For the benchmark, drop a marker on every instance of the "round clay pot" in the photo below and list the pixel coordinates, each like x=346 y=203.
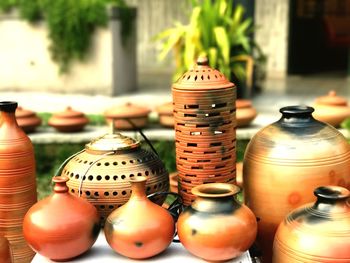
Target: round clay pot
x=316 y=232
x=166 y=116
x=5 y=252
x=216 y=227
x=239 y=174
x=285 y=161
x=139 y=229
x=128 y=116
x=68 y=120
x=61 y=226
x=245 y=113
x=331 y=109
x=27 y=120
x=173 y=177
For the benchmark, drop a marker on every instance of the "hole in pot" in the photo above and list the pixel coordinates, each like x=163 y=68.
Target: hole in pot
x=90 y=178
x=106 y=163
x=87 y=193
x=115 y=177
x=115 y=193
x=107 y=177
x=76 y=176
x=123 y=176
x=99 y=177
x=115 y=163
x=106 y=194
x=124 y=193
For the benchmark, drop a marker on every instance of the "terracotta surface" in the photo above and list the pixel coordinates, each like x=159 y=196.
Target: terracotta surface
x=68 y=120
x=285 y=161
x=61 y=226
x=173 y=178
x=166 y=115
x=104 y=168
x=5 y=252
x=316 y=232
x=216 y=227
x=139 y=229
x=27 y=119
x=17 y=181
x=205 y=128
x=245 y=112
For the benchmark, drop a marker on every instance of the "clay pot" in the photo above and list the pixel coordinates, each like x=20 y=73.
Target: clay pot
x=316 y=232
x=139 y=229
x=216 y=227
x=245 y=113
x=285 y=161
x=331 y=109
x=61 y=226
x=173 y=178
x=166 y=115
x=68 y=120
x=27 y=120
x=17 y=181
x=5 y=252
x=128 y=116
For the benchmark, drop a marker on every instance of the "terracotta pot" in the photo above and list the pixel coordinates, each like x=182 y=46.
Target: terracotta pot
x=68 y=120
x=245 y=113
x=17 y=181
x=285 y=161
x=5 y=252
x=128 y=116
x=166 y=115
x=173 y=178
x=139 y=229
x=216 y=227
x=61 y=226
x=331 y=109
x=316 y=232
x=27 y=120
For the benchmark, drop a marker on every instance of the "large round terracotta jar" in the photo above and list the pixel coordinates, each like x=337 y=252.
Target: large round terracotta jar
x=27 y=119
x=68 y=120
x=285 y=161
x=316 y=232
x=216 y=227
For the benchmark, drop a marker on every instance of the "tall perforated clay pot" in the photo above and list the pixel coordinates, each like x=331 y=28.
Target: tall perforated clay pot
x=17 y=181
x=285 y=161
x=205 y=128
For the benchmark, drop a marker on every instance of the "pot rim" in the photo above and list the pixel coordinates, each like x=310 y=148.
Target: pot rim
x=213 y=190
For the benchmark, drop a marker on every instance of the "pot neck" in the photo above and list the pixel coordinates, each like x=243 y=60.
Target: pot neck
x=60 y=184
x=138 y=187
x=7 y=111
x=296 y=115
x=333 y=199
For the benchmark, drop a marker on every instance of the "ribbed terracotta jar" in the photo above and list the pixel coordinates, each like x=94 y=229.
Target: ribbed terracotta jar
x=316 y=232
x=139 y=229
x=17 y=181
x=27 y=119
x=205 y=128
x=103 y=169
x=285 y=161
x=5 y=252
x=216 y=227
x=61 y=226
x=68 y=120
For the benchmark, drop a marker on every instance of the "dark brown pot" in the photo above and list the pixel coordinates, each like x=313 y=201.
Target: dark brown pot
x=61 y=226
x=316 y=232
x=17 y=181
x=285 y=161
x=27 y=120
x=139 y=229
x=68 y=120
x=245 y=113
x=5 y=252
x=216 y=227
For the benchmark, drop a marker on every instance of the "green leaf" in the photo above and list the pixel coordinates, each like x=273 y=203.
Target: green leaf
x=223 y=42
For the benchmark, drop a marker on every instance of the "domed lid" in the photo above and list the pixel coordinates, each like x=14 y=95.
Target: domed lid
x=24 y=113
x=332 y=100
x=166 y=108
x=112 y=142
x=241 y=103
x=202 y=77
x=68 y=113
x=127 y=110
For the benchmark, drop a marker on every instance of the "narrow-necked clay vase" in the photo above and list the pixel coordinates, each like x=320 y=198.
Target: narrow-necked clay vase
x=216 y=227
x=245 y=112
x=61 y=226
x=5 y=252
x=27 y=119
x=68 y=120
x=166 y=115
x=316 y=232
x=285 y=161
x=139 y=229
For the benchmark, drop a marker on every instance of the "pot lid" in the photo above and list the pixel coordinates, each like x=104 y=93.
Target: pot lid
x=332 y=99
x=202 y=77
x=166 y=108
x=68 y=113
x=112 y=142
x=24 y=113
x=240 y=103
x=127 y=110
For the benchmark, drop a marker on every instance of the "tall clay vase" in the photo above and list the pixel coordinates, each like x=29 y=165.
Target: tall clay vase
x=139 y=229
x=5 y=252
x=316 y=232
x=285 y=161
x=61 y=226
x=216 y=227
x=17 y=181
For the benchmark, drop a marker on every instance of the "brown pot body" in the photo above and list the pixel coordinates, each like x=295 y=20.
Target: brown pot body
x=68 y=121
x=333 y=115
x=17 y=181
x=216 y=227
x=316 y=232
x=245 y=113
x=285 y=161
x=5 y=252
x=122 y=124
x=139 y=229
x=61 y=226
x=27 y=120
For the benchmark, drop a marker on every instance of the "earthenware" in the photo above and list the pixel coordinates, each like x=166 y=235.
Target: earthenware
x=139 y=229
x=61 y=226
x=285 y=161
x=316 y=232
x=68 y=120
x=17 y=181
x=27 y=119
x=5 y=252
x=216 y=227
x=166 y=115
x=245 y=112
x=173 y=178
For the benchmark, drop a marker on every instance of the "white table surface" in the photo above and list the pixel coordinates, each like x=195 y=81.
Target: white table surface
x=101 y=252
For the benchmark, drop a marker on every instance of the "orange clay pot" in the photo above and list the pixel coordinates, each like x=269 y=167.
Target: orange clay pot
x=27 y=119
x=5 y=253
x=216 y=227
x=166 y=115
x=285 y=161
x=61 y=226
x=68 y=120
x=245 y=113
x=316 y=232
x=139 y=229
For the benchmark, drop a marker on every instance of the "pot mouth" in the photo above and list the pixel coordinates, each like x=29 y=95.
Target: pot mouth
x=332 y=192
x=216 y=190
x=138 y=179
x=297 y=110
x=8 y=106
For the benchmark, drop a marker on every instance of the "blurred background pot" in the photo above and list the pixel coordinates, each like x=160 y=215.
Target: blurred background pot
x=316 y=232
x=5 y=252
x=166 y=115
x=245 y=112
x=216 y=226
x=68 y=120
x=27 y=119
